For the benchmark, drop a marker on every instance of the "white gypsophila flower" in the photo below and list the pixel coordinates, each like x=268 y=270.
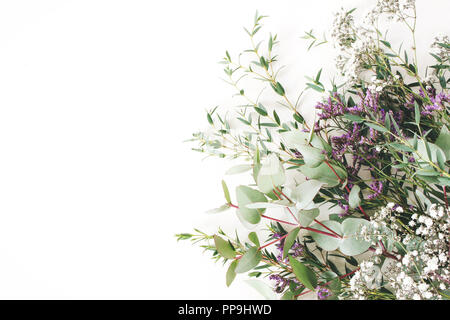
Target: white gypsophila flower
x=426 y=258
x=442 y=51
x=353 y=43
x=399 y=9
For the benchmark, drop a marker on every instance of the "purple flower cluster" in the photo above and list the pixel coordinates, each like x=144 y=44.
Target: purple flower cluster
x=323 y=293
x=437 y=101
x=295 y=251
x=281 y=282
x=344 y=207
x=332 y=108
x=377 y=188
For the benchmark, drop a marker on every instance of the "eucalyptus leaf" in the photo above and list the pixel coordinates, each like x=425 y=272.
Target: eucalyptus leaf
x=264 y=289
x=295 y=138
x=267 y=205
x=313 y=157
x=376 y=127
x=353 y=198
x=240 y=168
x=246 y=195
x=443 y=141
x=324 y=174
x=226 y=192
x=327 y=242
x=352 y=244
x=253 y=237
x=304 y=193
x=271 y=174
x=427 y=151
x=224 y=248
x=220 y=209
x=306 y=217
x=249 y=260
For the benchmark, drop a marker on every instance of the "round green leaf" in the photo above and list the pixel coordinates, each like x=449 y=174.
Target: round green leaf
x=313 y=157
x=249 y=260
x=324 y=174
x=353 y=198
x=443 y=141
x=224 y=248
x=240 y=168
x=306 y=217
x=271 y=174
x=295 y=138
x=273 y=204
x=253 y=237
x=326 y=242
x=220 y=209
x=246 y=195
x=305 y=192
x=226 y=193
x=264 y=289
x=351 y=244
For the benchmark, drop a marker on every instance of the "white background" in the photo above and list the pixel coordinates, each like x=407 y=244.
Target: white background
x=96 y=98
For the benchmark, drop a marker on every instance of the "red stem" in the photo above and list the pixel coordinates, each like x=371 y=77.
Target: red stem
x=279 y=198
x=278 y=220
x=281 y=192
x=274 y=241
x=322 y=232
x=320 y=223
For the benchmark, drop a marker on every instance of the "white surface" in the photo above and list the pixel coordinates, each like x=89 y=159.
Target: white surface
x=96 y=98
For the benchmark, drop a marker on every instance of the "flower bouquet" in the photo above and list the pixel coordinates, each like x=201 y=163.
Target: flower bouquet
x=361 y=189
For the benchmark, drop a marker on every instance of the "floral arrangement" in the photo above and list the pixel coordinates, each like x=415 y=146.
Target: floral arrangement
x=362 y=189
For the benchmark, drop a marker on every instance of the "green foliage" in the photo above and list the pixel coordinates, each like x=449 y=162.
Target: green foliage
x=225 y=248
x=289 y=241
x=303 y=274
x=382 y=127
x=249 y=260
x=246 y=195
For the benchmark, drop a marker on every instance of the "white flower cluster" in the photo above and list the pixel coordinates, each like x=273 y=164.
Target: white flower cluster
x=377 y=85
x=434 y=228
x=343 y=31
x=357 y=41
x=441 y=51
x=354 y=43
x=368 y=277
x=399 y=9
x=383 y=225
x=424 y=268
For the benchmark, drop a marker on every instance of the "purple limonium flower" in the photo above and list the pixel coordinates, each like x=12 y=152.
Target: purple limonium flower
x=323 y=293
x=295 y=251
x=437 y=101
x=281 y=282
x=344 y=207
x=331 y=108
x=377 y=188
